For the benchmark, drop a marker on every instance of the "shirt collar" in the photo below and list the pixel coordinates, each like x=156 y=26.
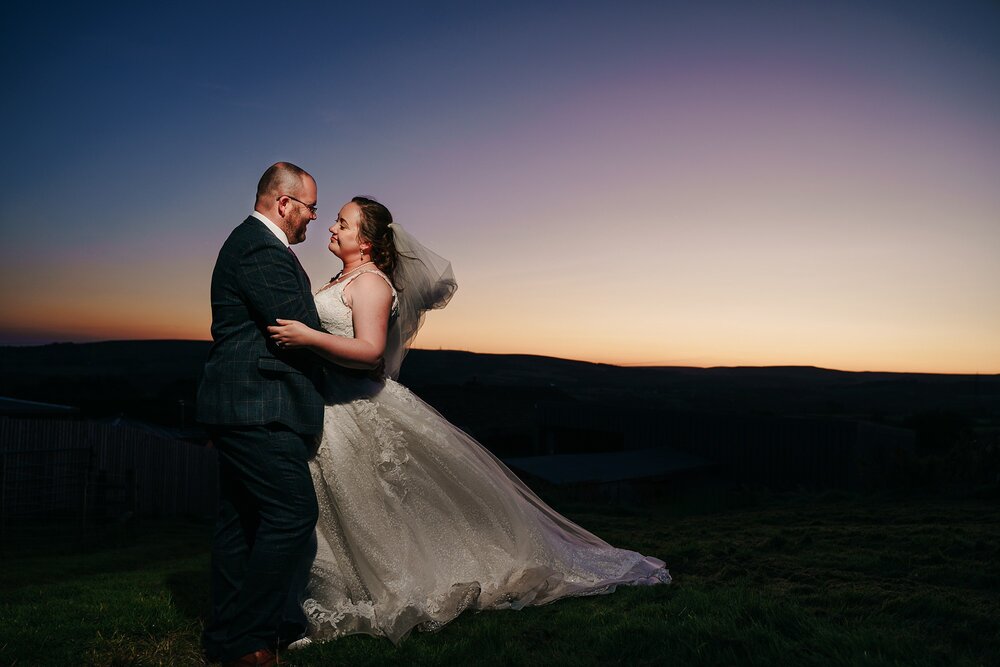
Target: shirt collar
x=270 y=225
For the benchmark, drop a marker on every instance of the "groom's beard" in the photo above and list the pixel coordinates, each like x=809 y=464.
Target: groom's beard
x=298 y=234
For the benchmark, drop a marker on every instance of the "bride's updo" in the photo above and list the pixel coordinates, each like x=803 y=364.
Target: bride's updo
x=374 y=228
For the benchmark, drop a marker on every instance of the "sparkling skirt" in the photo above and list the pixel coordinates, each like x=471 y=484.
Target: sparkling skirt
x=418 y=522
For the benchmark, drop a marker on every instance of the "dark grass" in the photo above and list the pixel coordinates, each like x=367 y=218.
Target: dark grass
x=793 y=581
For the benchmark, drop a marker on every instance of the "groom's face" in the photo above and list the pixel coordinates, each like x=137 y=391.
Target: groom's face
x=297 y=215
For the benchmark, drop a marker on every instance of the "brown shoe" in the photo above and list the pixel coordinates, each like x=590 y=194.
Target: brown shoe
x=260 y=658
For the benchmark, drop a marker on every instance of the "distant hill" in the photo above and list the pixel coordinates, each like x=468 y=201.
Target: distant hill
x=156 y=379
x=774 y=390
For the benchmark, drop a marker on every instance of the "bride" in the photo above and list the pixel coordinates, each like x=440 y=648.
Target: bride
x=418 y=522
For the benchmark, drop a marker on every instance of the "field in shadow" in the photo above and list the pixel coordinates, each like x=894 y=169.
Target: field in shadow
x=790 y=580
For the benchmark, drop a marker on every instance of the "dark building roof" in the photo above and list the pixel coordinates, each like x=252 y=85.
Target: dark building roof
x=15 y=407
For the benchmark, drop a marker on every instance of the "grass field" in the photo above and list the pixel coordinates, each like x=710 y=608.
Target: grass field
x=791 y=581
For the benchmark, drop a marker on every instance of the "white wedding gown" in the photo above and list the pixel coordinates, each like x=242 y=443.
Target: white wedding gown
x=418 y=522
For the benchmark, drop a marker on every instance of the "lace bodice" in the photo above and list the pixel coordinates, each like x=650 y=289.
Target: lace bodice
x=334 y=313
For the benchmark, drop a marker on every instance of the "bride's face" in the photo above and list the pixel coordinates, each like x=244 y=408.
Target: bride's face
x=344 y=240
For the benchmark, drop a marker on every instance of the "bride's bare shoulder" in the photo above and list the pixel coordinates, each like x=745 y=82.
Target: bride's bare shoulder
x=370 y=284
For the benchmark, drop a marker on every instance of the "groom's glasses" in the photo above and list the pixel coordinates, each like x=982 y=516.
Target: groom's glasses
x=312 y=207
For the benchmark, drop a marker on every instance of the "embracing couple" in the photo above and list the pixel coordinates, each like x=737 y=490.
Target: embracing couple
x=348 y=505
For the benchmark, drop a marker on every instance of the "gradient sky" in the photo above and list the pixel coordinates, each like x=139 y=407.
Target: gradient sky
x=711 y=183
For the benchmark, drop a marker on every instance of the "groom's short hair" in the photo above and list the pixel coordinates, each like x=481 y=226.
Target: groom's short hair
x=280 y=178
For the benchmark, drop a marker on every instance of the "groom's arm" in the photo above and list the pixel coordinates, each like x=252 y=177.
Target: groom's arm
x=269 y=278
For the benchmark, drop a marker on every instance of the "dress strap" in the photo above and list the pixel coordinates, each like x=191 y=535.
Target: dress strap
x=343 y=286
x=375 y=271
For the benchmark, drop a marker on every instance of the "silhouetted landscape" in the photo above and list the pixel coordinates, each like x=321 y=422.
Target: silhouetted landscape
x=808 y=516
x=146 y=379
x=521 y=405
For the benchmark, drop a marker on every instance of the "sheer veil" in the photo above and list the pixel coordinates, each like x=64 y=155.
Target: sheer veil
x=424 y=281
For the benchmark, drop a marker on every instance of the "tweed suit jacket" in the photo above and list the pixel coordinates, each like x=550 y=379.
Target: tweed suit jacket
x=248 y=380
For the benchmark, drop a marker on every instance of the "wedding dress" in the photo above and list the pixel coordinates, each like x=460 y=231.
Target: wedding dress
x=418 y=522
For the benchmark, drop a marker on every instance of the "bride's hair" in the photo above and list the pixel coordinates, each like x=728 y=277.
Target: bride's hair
x=374 y=228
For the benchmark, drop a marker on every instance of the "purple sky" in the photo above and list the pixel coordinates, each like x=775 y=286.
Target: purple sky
x=671 y=183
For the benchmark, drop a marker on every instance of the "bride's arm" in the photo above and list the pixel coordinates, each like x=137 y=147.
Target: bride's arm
x=371 y=300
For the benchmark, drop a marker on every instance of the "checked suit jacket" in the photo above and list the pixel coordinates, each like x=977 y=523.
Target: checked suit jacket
x=247 y=379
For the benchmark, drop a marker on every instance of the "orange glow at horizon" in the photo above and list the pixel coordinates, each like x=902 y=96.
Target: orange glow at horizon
x=888 y=354
x=685 y=300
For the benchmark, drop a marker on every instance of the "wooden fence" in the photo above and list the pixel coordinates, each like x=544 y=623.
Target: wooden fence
x=65 y=469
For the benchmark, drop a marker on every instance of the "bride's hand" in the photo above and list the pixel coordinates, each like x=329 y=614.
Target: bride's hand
x=290 y=333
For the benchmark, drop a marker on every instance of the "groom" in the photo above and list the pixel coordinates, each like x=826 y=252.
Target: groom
x=263 y=408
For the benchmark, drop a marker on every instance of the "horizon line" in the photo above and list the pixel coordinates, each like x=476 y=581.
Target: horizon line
x=654 y=364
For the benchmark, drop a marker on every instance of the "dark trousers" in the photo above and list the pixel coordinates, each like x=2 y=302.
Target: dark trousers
x=264 y=540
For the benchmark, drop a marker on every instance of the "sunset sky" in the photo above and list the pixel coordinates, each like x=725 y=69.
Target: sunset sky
x=690 y=183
